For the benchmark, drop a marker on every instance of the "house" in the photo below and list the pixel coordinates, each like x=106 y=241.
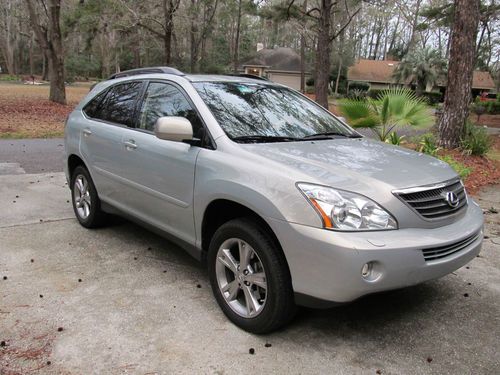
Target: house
x=379 y=75
x=280 y=65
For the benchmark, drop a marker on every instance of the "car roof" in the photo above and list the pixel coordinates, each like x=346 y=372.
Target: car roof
x=225 y=78
x=169 y=72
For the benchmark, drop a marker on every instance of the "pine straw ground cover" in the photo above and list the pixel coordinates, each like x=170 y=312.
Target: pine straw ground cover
x=481 y=170
x=484 y=170
x=25 y=111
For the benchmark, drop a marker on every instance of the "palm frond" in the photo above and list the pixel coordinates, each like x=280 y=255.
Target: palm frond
x=395 y=106
x=359 y=113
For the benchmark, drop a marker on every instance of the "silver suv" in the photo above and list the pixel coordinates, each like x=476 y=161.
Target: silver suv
x=285 y=203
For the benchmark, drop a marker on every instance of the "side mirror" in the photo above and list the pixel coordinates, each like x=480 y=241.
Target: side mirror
x=176 y=129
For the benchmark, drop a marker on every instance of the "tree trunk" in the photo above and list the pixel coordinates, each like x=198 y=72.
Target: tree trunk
x=419 y=88
x=303 y=55
x=323 y=52
x=193 y=31
x=51 y=44
x=340 y=54
x=57 y=88
x=413 y=36
x=236 y=58
x=339 y=70
x=45 y=70
x=377 y=42
x=460 y=72
x=7 y=45
x=371 y=39
x=168 y=12
x=31 y=59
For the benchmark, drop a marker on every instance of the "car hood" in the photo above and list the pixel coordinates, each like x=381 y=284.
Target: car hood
x=359 y=162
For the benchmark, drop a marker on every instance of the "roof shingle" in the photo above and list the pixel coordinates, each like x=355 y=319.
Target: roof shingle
x=282 y=58
x=381 y=71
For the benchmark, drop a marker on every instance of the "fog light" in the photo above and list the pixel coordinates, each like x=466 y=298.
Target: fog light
x=372 y=271
x=367 y=270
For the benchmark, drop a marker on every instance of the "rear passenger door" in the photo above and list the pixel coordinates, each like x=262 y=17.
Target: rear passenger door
x=109 y=115
x=160 y=171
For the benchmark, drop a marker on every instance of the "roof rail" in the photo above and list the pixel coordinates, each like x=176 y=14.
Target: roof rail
x=253 y=76
x=150 y=70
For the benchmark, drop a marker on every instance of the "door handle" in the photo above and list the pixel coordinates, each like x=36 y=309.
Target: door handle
x=130 y=144
x=86 y=132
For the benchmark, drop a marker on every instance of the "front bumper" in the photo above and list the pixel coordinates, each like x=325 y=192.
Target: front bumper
x=326 y=265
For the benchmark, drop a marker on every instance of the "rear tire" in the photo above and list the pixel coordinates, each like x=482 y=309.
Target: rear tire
x=86 y=203
x=250 y=278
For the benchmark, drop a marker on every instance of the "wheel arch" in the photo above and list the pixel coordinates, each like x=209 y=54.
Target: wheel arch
x=220 y=211
x=73 y=162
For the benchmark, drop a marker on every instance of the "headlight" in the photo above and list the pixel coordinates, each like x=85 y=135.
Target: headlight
x=342 y=210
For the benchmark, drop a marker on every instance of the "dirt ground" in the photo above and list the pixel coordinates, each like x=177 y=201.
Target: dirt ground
x=26 y=112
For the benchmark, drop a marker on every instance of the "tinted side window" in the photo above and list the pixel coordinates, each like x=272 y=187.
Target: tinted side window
x=119 y=104
x=93 y=107
x=161 y=100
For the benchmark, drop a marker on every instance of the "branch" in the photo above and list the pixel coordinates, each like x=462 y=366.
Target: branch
x=309 y=13
x=288 y=9
x=151 y=30
x=156 y=21
x=335 y=35
x=41 y=36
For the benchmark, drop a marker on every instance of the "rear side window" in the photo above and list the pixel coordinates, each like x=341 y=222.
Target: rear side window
x=93 y=107
x=119 y=104
x=163 y=99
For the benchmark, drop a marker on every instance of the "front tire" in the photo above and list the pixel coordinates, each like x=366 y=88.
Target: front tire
x=86 y=203
x=250 y=277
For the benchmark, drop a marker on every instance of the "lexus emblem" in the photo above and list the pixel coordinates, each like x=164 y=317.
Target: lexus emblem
x=452 y=199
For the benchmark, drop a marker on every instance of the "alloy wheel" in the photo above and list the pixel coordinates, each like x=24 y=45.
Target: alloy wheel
x=241 y=277
x=81 y=196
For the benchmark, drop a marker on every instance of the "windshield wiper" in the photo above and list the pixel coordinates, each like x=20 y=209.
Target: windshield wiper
x=262 y=138
x=330 y=135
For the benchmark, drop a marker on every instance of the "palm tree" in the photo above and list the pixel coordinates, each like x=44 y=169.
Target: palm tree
x=392 y=107
x=423 y=67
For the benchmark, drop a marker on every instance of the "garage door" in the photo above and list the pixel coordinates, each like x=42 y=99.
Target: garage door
x=290 y=80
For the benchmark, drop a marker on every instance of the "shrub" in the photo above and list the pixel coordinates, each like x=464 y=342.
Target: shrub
x=309 y=89
x=433 y=97
x=395 y=139
x=477 y=109
x=490 y=107
x=355 y=85
x=428 y=144
x=310 y=81
x=374 y=93
x=462 y=170
x=356 y=94
x=475 y=140
x=80 y=67
x=493 y=108
x=8 y=78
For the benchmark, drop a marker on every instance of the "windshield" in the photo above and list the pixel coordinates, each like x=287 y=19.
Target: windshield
x=264 y=112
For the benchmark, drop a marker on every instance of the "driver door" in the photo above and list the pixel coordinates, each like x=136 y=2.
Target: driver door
x=161 y=172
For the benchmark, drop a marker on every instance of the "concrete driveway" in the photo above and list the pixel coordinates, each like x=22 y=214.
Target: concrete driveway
x=120 y=300
x=31 y=155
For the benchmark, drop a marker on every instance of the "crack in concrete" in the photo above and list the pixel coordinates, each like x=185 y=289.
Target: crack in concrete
x=36 y=222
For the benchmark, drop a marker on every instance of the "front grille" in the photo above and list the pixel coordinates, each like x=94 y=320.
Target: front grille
x=431 y=203
x=440 y=252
